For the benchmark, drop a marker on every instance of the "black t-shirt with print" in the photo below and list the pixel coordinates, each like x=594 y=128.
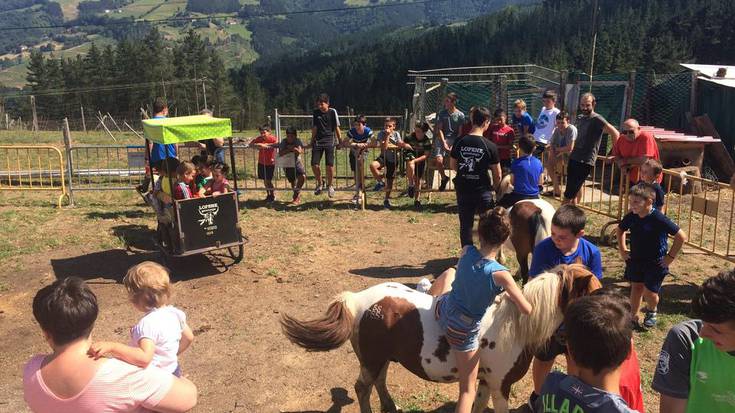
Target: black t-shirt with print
x=474 y=155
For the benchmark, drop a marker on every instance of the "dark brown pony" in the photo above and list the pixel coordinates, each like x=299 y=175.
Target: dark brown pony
x=531 y=223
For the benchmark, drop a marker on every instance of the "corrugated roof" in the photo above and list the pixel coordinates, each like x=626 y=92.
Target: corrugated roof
x=708 y=73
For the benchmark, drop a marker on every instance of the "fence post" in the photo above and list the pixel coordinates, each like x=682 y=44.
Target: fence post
x=693 y=93
x=416 y=102
x=69 y=162
x=503 y=92
x=629 y=95
x=277 y=124
x=563 y=89
x=442 y=93
x=84 y=124
x=33 y=111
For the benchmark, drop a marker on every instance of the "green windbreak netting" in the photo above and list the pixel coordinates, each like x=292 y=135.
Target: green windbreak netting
x=186 y=129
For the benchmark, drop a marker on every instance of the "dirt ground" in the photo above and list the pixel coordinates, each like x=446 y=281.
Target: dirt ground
x=296 y=260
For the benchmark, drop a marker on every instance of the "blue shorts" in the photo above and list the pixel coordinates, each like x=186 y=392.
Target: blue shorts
x=462 y=331
x=650 y=272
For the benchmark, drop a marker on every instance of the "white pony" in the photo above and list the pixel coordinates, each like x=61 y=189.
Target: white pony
x=391 y=322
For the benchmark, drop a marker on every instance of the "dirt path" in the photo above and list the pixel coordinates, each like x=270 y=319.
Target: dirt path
x=295 y=262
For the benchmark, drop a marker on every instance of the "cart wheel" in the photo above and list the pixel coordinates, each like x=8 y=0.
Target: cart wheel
x=236 y=253
x=608 y=235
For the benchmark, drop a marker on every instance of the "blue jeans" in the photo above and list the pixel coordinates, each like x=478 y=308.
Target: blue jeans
x=219 y=155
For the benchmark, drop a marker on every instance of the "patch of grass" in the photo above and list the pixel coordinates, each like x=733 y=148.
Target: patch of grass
x=271 y=272
x=413 y=220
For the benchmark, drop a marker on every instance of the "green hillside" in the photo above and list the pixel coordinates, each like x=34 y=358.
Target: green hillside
x=252 y=31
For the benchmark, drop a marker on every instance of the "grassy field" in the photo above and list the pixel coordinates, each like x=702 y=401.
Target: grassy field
x=296 y=259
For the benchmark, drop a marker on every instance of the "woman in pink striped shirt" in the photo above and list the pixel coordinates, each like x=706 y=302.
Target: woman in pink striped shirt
x=69 y=380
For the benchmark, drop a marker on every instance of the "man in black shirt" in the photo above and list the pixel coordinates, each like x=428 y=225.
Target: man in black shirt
x=324 y=135
x=472 y=157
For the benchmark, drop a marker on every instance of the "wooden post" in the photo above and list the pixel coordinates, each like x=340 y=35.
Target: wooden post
x=33 y=111
x=69 y=161
x=563 y=89
x=84 y=124
x=113 y=122
x=204 y=91
x=693 y=93
x=629 y=95
x=102 y=122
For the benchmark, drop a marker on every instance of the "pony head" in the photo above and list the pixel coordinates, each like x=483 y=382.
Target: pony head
x=550 y=294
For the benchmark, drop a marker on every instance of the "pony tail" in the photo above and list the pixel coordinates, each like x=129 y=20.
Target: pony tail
x=326 y=333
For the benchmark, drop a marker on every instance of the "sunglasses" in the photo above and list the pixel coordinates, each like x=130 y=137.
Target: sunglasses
x=627 y=132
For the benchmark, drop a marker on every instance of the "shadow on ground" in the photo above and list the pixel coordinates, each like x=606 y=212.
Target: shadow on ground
x=340 y=399
x=113 y=264
x=344 y=205
x=431 y=267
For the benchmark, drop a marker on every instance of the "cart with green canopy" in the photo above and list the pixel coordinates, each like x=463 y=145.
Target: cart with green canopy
x=198 y=225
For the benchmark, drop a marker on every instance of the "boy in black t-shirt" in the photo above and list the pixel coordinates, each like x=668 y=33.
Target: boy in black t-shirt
x=472 y=156
x=324 y=133
x=647 y=262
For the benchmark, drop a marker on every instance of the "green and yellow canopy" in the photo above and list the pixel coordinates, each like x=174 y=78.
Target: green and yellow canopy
x=186 y=129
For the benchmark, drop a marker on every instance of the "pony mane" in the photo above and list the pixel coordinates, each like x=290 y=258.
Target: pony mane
x=531 y=330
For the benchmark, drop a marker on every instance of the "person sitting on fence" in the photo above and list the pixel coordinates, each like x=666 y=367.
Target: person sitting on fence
x=651 y=171
x=648 y=260
x=162 y=334
x=697 y=360
x=545 y=122
x=560 y=145
x=219 y=184
x=521 y=120
x=636 y=147
x=417 y=151
x=503 y=136
x=266 y=159
x=598 y=337
x=70 y=381
x=185 y=186
x=448 y=123
x=387 y=159
x=566 y=245
x=465 y=294
x=204 y=175
x=158 y=151
x=296 y=174
x=358 y=139
x=525 y=174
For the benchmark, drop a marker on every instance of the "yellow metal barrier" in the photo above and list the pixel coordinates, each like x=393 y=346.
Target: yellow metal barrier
x=33 y=168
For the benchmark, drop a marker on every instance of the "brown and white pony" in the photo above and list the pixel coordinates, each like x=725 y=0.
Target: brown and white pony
x=530 y=222
x=391 y=322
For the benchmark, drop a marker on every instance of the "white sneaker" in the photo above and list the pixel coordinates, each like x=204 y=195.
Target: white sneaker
x=423 y=286
x=330 y=191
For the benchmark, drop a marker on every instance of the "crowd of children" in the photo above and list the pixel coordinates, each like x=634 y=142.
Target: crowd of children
x=596 y=335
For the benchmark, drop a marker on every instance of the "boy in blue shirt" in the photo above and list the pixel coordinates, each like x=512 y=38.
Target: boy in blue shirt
x=158 y=152
x=648 y=260
x=598 y=337
x=564 y=246
x=525 y=175
x=521 y=121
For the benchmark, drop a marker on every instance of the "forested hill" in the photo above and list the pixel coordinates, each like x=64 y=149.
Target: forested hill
x=651 y=35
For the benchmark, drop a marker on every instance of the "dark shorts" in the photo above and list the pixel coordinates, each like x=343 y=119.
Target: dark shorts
x=510 y=199
x=266 y=171
x=649 y=272
x=420 y=168
x=316 y=156
x=390 y=167
x=292 y=173
x=553 y=347
x=577 y=173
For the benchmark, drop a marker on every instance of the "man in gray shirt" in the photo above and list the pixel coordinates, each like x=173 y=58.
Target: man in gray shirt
x=590 y=128
x=448 y=123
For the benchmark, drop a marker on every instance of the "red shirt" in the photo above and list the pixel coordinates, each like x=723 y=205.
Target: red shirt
x=266 y=156
x=643 y=145
x=630 y=380
x=501 y=136
x=465 y=129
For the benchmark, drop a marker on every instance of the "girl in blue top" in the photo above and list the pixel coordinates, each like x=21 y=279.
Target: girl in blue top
x=465 y=294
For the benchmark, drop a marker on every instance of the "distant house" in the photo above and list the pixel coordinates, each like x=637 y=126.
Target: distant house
x=716 y=97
